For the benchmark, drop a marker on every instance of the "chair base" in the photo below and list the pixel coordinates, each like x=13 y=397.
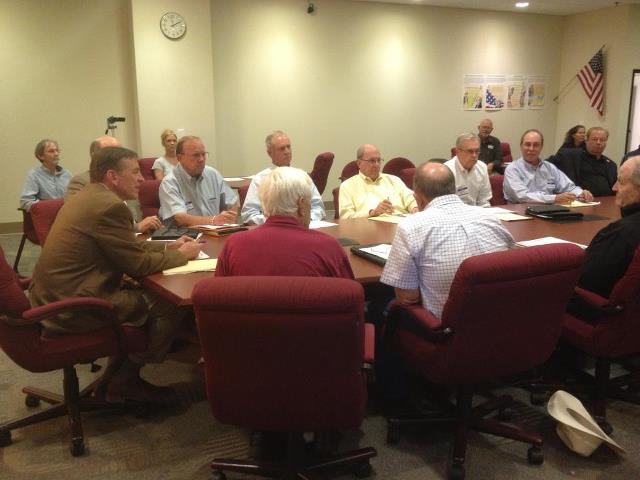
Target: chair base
x=465 y=417
x=71 y=404
x=296 y=465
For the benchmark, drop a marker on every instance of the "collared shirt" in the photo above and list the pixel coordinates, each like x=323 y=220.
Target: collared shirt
x=41 y=184
x=490 y=151
x=429 y=246
x=206 y=195
x=472 y=186
x=163 y=164
x=598 y=175
x=252 y=209
x=359 y=195
x=525 y=183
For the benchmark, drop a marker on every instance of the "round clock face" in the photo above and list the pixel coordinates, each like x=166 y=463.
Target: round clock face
x=173 y=25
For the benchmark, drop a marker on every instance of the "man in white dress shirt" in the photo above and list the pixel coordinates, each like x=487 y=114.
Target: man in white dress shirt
x=472 y=176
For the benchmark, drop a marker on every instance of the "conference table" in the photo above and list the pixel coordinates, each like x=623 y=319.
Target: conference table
x=177 y=288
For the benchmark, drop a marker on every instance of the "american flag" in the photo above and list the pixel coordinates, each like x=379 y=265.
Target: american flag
x=591 y=77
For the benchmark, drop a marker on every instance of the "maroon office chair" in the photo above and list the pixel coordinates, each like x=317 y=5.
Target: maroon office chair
x=242 y=194
x=28 y=233
x=21 y=340
x=284 y=354
x=146 y=167
x=349 y=170
x=611 y=335
x=406 y=175
x=395 y=165
x=497 y=195
x=490 y=328
x=43 y=214
x=506 y=152
x=149 y=197
x=321 y=168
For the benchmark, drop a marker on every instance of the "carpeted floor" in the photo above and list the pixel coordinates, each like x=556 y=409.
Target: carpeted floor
x=178 y=442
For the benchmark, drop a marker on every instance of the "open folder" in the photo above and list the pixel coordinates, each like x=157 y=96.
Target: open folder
x=207 y=265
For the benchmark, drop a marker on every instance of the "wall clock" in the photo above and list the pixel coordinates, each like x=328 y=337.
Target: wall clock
x=173 y=25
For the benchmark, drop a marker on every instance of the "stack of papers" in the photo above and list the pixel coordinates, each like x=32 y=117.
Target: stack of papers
x=381 y=250
x=208 y=265
x=546 y=241
x=506 y=215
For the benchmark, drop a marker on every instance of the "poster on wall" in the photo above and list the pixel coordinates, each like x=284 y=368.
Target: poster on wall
x=472 y=90
x=536 y=88
x=495 y=92
x=516 y=92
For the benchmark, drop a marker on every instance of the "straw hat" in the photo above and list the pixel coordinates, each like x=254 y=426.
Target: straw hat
x=576 y=428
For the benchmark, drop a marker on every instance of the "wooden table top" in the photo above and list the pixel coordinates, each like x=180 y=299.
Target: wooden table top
x=177 y=288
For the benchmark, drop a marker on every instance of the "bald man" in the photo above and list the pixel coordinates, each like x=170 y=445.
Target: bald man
x=430 y=245
x=79 y=181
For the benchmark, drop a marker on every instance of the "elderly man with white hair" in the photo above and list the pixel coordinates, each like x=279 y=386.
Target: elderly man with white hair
x=284 y=244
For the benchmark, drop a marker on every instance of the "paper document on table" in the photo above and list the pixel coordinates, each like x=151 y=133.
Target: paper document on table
x=321 y=224
x=512 y=217
x=388 y=218
x=496 y=210
x=578 y=203
x=546 y=241
x=381 y=250
x=215 y=227
x=208 y=265
x=202 y=256
x=233 y=179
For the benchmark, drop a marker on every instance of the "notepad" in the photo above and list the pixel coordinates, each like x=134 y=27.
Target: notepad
x=388 y=218
x=321 y=224
x=546 y=241
x=578 y=203
x=512 y=217
x=208 y=265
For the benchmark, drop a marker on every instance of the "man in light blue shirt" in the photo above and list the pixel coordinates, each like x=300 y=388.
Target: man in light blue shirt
x=195 y=193
x=532 y=180
x=46 y=181
x=279 y=149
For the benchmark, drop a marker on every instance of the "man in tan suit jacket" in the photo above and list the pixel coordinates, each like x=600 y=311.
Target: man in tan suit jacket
x=89 y=248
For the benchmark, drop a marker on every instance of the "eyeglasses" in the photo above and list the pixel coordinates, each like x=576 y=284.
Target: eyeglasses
x=374 y=161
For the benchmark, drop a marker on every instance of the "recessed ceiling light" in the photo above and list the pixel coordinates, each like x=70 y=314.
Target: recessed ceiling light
x=522 y=4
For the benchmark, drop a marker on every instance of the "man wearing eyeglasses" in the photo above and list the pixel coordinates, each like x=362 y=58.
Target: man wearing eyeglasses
x=472 y=177
x=532 y=180
x=279 y=150
x=490 y=147
x=371 y=193
x=195 y=193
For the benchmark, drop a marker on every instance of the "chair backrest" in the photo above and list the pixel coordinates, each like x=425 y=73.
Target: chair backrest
x=619 y=334
x=406 y=175
x=497 y=195
x=149 y=197
x=506 y=152
x=146 y=169
x=506 y=310
x=242 y=193
x=321 y=168
x=28 y=229
x=349 y=170
x=396 y=164
x=43 y=214
x=336 y=202
x=283 y=353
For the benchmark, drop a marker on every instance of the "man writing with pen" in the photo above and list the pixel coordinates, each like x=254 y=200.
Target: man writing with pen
x=372 y=193
x=195 y=193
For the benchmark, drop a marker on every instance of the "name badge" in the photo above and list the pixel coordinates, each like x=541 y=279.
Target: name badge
x=490 y=147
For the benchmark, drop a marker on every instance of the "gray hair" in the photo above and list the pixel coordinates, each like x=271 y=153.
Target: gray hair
x=275 y=133
x=281 y=189
x=635 y=174
x=597 y=129
x=42 y=144
x=434 y=180
x=465 y=137
x=183 y=140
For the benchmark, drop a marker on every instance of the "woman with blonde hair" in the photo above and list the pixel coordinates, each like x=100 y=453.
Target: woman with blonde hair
x=164 y=165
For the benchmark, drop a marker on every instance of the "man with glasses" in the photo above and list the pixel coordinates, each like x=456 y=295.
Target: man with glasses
x=472 y=177
x=490 y=148
x=372 y=193
x=531 y=179
x=195 y=193
x=279 y=150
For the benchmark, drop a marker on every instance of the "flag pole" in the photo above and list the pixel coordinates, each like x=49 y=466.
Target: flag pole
x=573 y=79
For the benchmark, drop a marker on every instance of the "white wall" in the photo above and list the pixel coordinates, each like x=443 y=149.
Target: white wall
x=366 y=72
x=66 y=67
x=174 y=78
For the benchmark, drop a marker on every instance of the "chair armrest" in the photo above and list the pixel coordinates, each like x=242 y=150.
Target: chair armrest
x=597 y=302
x=73 y=304
x=420 y=321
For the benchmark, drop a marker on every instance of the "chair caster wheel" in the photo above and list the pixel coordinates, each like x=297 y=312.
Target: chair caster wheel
x=363 y=470
x=455 y=471
x=538 y=398
x=606 y=427
x=77 y=447
x=31 y=402
x=217 y=475
x=393 y=435
x=505 y=414
x=535 y=456
x=5 y=438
